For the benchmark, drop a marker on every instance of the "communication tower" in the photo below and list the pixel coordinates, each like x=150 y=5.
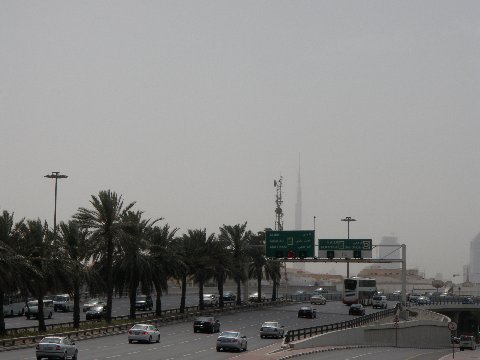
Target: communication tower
x=278 y=201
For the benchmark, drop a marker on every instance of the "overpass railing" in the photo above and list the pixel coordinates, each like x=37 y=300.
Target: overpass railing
x=304 y=333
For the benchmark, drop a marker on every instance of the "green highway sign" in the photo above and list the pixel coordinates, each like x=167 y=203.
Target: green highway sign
x=344 y=244
x=291 y=243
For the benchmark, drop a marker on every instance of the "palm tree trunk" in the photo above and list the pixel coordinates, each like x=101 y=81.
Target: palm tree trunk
x=158 y=299
x=200 y=295
x=132 y=295
x=239 y=292
x=274 y=290
x=3 y=331
x=108 y=316
x=220 y=291
x=76 y=305
x=184 y=293
x=259 y=286
x=40 y=317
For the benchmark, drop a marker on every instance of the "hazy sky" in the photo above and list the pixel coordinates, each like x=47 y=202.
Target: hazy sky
x=193 y=108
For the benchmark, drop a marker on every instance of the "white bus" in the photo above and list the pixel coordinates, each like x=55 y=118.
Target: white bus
x=13 y=305
x=357 y=290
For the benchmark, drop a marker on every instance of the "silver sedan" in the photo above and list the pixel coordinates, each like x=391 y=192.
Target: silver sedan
x=144 y=333
x=271 y=329
x=53 y=347
x=231 y=340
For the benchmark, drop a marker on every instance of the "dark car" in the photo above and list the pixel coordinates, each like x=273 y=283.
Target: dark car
x=467 y=300
x=356 y=309
x=144 y=302
x=96 y=312
x=229 y=296
x=307 y=312
x=206 y=324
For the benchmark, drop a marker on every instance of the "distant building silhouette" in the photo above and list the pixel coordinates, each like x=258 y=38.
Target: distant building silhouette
x=389 y=252
x=474 y=267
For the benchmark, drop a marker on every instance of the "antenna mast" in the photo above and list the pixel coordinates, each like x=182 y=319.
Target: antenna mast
x=278 y=201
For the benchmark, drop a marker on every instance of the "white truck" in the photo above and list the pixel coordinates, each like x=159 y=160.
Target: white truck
x=62 y=302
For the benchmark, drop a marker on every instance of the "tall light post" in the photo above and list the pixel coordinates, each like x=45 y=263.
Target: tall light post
x=348 y=219
x=55 y=175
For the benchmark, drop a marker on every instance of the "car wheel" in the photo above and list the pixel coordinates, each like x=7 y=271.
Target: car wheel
x=129 y=341
x=261 y=336
x=50 y=315
x=75 y=356
x=150 y=340
x=65 y=356
x=158 y=340
x=218 y=349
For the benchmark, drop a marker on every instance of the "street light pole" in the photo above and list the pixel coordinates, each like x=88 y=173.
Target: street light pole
x=55 y=175
x=348 y=219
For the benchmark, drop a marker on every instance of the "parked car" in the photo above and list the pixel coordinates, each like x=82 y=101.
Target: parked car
x=231 y=340
x=210 y=300
x=467 y=300
x=144 y=302
x=31 y=310
x=272 y=329
x=379 y=301
x=143 y=333
x=356 y=309
x=318 y=299
x=93 y=302
x=206 y=324
x=229 y=296
x=254 y=297
x=467 y=342
x=96 y=312
x=397 y=292
x=307 y=312
x=59 y=347
x=320 y=291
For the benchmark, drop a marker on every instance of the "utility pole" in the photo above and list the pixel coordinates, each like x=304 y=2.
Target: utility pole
x=55 y=175
x=348 y=219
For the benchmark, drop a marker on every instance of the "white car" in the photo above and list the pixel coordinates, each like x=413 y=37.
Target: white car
x=318 y=299
x=143 y=333
x=56 y=347
x=271 y=329
x=31 y=310
x=210 y=300
x=231 y=340
x=93 y=302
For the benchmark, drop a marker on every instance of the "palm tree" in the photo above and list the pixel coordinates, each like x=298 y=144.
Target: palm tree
x=132 y=263
x=198 y=260
x=165 y=260
x=14 y=268
x=73 y=242
x=256 y=251
x=221 y=258
x=237 y=239
x=48 y=259
x=104 y=224
x=273 y=272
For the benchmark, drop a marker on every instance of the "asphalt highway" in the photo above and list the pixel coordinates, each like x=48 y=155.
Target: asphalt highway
x=178 y=341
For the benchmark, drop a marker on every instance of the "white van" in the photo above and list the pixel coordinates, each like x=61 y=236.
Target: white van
x=62 y=302
x=379 y=301
x=31 y=310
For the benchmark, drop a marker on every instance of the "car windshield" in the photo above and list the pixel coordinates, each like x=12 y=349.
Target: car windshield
x=97 y=308
x=465 y=338
x=204 y=319
x=141 y=298
x=229 y=334
x=356 y=305
x=140 y=327
x=51 y=340
x=207 y=296
x=270 y=324
x=305 y=308
x=60 y=298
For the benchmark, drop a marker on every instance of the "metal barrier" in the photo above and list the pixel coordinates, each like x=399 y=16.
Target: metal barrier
x=298 y=334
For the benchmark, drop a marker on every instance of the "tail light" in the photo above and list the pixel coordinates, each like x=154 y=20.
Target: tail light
x=130 y=332
x=58 y=347
x=145 y=333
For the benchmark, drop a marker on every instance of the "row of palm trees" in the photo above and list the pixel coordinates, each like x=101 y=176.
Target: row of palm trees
x=110 y=247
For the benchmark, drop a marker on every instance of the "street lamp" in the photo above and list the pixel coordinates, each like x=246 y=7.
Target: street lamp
x=55 y=175
x=348 y=219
